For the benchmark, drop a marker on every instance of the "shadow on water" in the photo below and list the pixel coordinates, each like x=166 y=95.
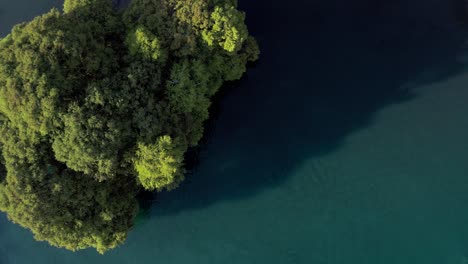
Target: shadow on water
x=323 y=74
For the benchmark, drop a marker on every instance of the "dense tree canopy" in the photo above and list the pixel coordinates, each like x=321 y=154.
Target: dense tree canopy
x=97 y=103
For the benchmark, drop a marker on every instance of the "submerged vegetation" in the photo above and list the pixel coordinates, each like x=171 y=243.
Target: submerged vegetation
x=97 y=104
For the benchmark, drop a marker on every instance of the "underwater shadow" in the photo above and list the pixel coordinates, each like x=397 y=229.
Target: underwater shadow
x=327 y=66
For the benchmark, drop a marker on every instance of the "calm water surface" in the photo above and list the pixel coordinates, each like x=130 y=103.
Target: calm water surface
x=346 y=143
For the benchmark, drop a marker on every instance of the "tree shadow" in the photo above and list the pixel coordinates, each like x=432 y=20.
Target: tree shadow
x=120 y=4
x=326 y=68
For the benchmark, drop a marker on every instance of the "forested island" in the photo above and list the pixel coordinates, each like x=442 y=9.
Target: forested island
x=99 y=103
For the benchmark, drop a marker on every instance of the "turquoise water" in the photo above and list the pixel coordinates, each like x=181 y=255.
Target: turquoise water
x=346 y=143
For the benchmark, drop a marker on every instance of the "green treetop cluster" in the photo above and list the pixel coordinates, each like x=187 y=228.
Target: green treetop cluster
x=96 y=103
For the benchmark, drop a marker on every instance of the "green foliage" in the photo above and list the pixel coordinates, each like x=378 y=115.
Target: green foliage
x=61 y=206
x=145 y=43
x=70 y=5
x=97 y=103
x=159 y=166
x=228 y=29
x=90 y=141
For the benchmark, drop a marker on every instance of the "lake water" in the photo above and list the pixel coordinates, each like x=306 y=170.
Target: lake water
x=346 y=143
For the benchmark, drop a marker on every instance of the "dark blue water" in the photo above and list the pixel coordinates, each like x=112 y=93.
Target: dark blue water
x=345 y=143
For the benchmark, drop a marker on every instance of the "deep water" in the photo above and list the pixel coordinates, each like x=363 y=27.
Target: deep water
x=346 y=143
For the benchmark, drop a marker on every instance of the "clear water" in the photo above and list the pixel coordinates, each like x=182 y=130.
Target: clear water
x=346 y=143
